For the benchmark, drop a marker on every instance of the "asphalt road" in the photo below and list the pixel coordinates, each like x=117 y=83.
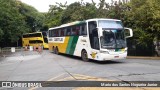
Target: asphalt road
x=32 y=66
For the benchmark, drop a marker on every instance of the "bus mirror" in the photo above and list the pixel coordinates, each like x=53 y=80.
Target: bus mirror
x=99 y=31
x=128 y=32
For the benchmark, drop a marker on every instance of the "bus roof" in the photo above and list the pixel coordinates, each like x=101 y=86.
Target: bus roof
x=32 y=33
x=79 y=22
x=68 y=24
x=95 y=19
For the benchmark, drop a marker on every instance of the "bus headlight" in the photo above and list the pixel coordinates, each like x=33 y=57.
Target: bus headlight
x=106 y=52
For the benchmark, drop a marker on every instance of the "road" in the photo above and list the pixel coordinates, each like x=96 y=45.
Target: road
x=32 y=66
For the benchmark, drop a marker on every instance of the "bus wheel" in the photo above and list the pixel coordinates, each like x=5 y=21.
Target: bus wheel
x=53 y=49
x=84 y=56
x=56 y=51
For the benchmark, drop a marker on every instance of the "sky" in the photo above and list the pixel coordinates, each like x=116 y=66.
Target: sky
x=43 y=5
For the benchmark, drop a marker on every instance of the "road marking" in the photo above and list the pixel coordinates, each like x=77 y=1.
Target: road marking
x=115 y=88
x=77 y=76
x=56 y=77
x=83 y=77
x=33 y=88
x=65 y=79
x=86 y=77
x=92 y=78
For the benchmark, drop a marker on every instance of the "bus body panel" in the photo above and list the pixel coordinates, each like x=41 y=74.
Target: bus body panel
x=82 y=44
x=72 y=47
x=60 y=42
x=112 y=56
x=65 y=45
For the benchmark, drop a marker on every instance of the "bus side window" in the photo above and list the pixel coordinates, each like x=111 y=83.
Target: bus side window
x=74 y=30
x=62 y=32
x=83 y=30
x=56 y=32
x=77 y=30
x=52 y=33
x=68 y=31
x=59 y=32
x=30 y=35
x=25 y=36
x=93 y=35
x=65 y=31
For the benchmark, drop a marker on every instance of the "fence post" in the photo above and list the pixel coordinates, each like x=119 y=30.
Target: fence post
x=13 y=49
x=31 y=48
x=34 y=48
x=40 y=49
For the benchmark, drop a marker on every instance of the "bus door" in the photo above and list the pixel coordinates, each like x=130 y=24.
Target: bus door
x=94 y=39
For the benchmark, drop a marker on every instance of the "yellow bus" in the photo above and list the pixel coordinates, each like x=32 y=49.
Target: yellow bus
x=97 y=39
x=35 y=39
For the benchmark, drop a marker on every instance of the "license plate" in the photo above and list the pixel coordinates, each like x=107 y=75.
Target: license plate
x=116 y=56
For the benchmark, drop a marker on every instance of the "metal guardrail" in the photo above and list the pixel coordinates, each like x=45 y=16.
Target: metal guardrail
x=16 y=51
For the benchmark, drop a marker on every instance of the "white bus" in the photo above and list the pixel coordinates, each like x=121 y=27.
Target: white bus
x=97 y=39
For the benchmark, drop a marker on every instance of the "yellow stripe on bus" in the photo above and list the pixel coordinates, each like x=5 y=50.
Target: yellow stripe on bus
x=61 y=46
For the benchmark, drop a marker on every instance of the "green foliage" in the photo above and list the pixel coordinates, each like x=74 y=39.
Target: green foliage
x=11 y=21
x=60 y=14
x=17 y=18
x=33 y=18
x=1 y=33
x=143 y=16
x=53 y=17
x=78 y=11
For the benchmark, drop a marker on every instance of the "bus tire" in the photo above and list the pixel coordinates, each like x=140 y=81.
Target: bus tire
x=84 y=56
x=53 y=49
x=56 y=51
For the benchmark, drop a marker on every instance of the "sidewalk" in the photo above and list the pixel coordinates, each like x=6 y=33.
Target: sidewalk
x=18 y=53
x=143 y=57
x=21 y=55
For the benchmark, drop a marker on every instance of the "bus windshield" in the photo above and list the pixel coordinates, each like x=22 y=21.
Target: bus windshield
x=113 y=34
x=113 y=39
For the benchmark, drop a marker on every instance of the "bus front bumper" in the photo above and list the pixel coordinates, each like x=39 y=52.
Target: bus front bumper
x=104 y=57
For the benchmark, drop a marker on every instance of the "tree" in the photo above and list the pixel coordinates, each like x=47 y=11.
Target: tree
x=144 y=18
x=17 y=18
x=53 y=17
x=61 y=14
x=33 y=18
x=78 y=11
x=12 y=24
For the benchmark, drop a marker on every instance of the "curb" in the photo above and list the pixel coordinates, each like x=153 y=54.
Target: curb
x=142 y=57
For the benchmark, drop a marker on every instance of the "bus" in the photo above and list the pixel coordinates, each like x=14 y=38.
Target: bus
x=96 y=39
x=35 y=39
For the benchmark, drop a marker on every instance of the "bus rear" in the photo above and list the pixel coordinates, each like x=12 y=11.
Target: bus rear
x=35 y=39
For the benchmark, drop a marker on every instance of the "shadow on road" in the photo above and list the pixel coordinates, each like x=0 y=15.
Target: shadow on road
x=106 y=62
x=92 y=61
x=70 y=56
